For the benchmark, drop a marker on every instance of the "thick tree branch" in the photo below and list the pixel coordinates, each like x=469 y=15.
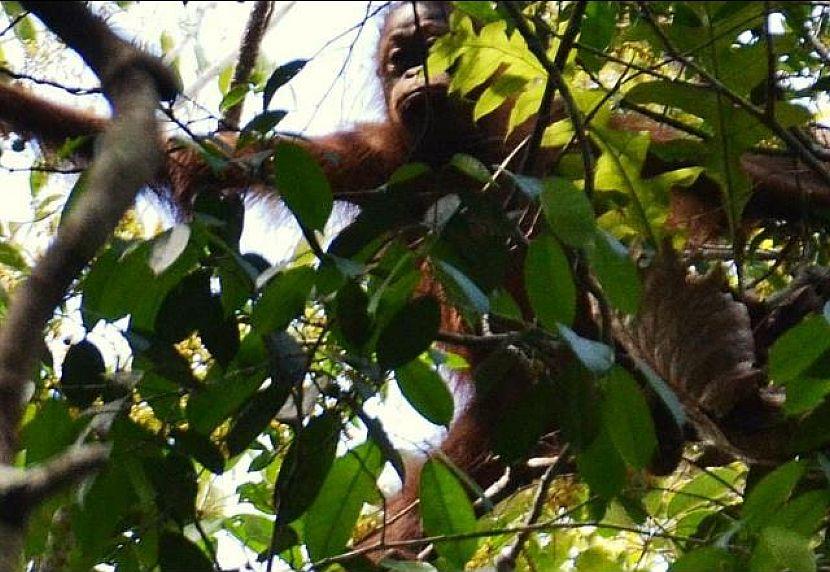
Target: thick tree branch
x=130 y=156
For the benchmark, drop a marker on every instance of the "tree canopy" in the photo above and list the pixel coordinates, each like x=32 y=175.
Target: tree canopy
x=218 y=367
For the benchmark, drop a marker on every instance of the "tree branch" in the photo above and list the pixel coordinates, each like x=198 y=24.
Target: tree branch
x=248 y=54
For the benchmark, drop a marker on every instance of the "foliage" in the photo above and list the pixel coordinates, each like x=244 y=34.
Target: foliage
x=267 y=371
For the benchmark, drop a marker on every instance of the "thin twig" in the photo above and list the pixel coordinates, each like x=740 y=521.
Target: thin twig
x=506 y=562
x=41 y=81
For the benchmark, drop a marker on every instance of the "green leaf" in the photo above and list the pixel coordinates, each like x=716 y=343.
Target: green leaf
x=503 y=304
x=470 y=292
x=78 y=191
x=254 y=531
x=530 y=186
x=10 y=255
x=281 y=76
x=264 y=122
x=707 y=559
x=597 y=30
x=234 y=97
x=471 y=167
x=781 y=549
x=49 y=432
x=121 y=282
x=704 y=489
x=350 y=483
x=106 y=502
x=216 y=400
x=805 y=394
x=595 y=356
x=627 y=419
x=426 y=391
x=302 y=184
x=446 y=510
x=616 y=273
x=770 y=493
x=517 y=432
x=409 y=332
x=804 y=514
x=351 y=310
x=178 y=554
x=601 y=466
x=549 y=283
x=569 y=212
x=596 y=560
x=175 y=483
x=283 y=299
x=306 y=466
x=255 y=416
x=201 y=448
x=795 y=351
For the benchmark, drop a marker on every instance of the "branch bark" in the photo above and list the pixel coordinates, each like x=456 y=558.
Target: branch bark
x=248 y=53
x=130 y=156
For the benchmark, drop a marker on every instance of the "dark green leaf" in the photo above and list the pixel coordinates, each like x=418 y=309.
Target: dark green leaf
x=598 y=28
x=409 y=332
x=105 y=505
x=281 y=76
x=601 y=466
x=471 y=167
x=306 y=466
x=78 y=191
x=178 y=554
x=174 y=480
x=515 y=433
x=216 y=400
x=470 y=292
x=352 y=316
x=283 y=299
x=264 y=122
x=82 y=379
x=255 y=416
x=201 y=448
x=530 y=186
